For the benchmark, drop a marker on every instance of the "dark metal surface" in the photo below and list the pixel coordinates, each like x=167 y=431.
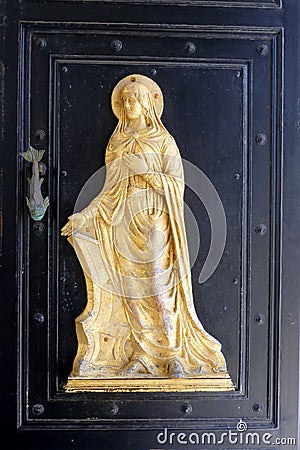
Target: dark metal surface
x=228 y=71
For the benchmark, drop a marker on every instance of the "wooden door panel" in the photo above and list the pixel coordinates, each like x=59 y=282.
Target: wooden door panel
x=228 y=74
x=226 y=82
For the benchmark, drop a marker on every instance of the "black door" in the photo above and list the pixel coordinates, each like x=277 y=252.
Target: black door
x=229 y=73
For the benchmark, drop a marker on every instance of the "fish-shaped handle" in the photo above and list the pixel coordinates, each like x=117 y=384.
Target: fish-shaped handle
x=37 y=205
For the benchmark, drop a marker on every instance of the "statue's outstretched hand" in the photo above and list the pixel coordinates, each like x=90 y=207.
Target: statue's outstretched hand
x=75 y=222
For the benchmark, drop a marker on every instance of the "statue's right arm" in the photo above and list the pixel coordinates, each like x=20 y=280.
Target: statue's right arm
x=84 y=218
x=75 y=222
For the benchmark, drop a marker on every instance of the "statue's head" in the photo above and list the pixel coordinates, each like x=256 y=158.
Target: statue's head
x=135 y=95
x=136 y=100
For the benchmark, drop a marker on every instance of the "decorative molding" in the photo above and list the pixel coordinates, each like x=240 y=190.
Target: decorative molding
x=59 y=62
x=54 y=60
x=265 y=4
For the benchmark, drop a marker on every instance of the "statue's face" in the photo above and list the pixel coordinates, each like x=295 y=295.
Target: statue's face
x=132 y=106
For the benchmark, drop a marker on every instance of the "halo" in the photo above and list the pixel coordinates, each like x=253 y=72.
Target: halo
x=150 y=84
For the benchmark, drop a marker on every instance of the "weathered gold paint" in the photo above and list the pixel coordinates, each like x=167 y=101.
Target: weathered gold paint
x=139 y=330
x=214 y=383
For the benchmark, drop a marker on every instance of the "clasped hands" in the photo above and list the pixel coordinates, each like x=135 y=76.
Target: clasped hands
x=135 y=163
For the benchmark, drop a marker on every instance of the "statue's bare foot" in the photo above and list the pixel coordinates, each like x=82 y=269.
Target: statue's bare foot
x=175 y=370
x=132 y=368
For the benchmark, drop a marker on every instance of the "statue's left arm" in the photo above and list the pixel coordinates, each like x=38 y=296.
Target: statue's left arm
x=169 y=166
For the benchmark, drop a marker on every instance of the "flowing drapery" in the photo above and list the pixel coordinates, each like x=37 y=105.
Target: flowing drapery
x=140 y=302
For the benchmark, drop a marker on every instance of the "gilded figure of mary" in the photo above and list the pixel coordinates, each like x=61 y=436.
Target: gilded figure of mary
x=140 y=320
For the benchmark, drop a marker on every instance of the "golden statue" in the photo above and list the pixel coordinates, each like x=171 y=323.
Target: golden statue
x=140 y=330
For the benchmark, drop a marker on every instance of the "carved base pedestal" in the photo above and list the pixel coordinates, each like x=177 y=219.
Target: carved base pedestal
x=213 y=383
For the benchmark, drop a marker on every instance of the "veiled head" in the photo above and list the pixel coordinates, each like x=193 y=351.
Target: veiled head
x=136 y=100
x=140 y=88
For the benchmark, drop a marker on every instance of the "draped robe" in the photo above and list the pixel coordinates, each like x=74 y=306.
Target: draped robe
x=135 y=258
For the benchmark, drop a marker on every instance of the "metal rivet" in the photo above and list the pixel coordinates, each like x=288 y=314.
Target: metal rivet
x=38 y=409
x=238 y=74
x=41 y=43
x=42 y=168
x=38 y=228
x=262 y=49
x=261 y=229
x=261 y=139
x=153 y=72
x=258 y=407
x=235 y=281
x=237 y=176
x=39 y=135
x=186 y=408
x=64 y=173
x=64 y=69
x=259 y=318
x=112 y=409
x=190 y=47
x=116 y=45
x=38 y=318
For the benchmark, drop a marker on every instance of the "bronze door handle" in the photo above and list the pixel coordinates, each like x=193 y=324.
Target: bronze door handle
x=37 y=205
